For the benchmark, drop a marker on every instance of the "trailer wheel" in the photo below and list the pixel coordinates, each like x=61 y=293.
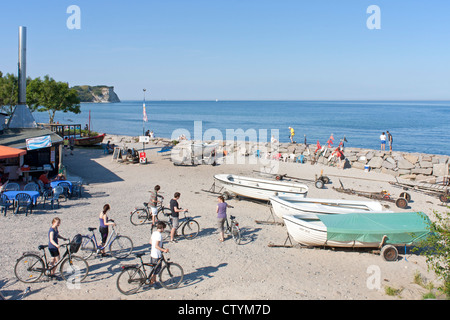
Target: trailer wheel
x=389 y=253
x=401 y=203
x=325 y=179
x=405 y=195
x=278 y=177
x=226 y=195
x=318 y=184
x=444 y=198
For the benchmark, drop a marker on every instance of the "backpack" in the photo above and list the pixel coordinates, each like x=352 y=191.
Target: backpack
x=75 y=244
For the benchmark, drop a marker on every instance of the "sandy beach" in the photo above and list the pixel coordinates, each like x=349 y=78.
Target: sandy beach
x=213 y=270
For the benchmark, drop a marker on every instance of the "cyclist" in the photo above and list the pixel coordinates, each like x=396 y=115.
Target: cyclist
x=156 y=243
x=175 y=208
x=53 y=246
x=222 y=216
x=153 y=203
x=104 y=226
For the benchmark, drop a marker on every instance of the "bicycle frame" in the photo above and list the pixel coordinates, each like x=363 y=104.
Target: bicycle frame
x=46 y=264
x=110 y=239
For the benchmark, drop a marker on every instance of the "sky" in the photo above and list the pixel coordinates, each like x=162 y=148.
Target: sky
x=237 y=49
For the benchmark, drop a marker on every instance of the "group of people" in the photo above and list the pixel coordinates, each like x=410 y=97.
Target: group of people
x=156 y=241
x=386 y=137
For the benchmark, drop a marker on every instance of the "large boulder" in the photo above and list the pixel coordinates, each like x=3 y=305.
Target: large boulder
x=375 y=162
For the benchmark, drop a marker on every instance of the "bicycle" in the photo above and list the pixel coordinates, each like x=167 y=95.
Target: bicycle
x=233 y=229
x=189 y=227
x=31 y=266
x=118 y=245
x=140 y=215
x=133 y=277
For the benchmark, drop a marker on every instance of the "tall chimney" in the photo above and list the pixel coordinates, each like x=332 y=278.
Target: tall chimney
x=22 y=116
x=22 y=65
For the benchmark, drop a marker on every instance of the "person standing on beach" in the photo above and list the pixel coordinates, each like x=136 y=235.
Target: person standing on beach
x=71 y=144
x=53 y=246
x=292 y=134
x=222 y=216
x=390 y=139
x=156 y=242
x=66 y=144
x=104 y=225
x=383 y=141
x=174 y=217
x=153 y=203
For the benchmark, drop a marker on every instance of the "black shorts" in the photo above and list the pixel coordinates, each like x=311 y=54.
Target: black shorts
x=54 y=252
x=155 y=262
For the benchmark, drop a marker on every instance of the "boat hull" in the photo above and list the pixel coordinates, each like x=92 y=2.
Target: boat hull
x=258 y=188
x=90 y=141
x=309 y=208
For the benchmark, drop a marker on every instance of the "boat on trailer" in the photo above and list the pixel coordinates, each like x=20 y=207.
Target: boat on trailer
x=309 y=208
x=259 y=189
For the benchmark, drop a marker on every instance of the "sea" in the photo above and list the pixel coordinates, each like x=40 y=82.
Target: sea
x=416 y=126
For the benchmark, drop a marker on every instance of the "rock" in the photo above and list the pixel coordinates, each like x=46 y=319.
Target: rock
x=352 y=158
x=440 y=169
x=408 y=176
x=405 y=164
x=370 y=155
x=375 y=162
x=426 y=164
x=358 y=165
x=403 y=171
x=387 y=165
x=390 y=172
x=390 y=160
x=411 y=158
x=425 y=171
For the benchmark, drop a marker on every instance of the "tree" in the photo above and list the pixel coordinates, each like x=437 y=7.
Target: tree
x=436 y=248
x=52 y=96
x=9 y=92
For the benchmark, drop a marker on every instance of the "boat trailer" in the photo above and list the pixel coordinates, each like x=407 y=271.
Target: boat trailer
x=442 y=191
x=401 y=201
x=319 y=181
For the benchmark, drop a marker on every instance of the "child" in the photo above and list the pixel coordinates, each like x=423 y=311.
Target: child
x=222 y=216
x=157 y=247
x=53 y=246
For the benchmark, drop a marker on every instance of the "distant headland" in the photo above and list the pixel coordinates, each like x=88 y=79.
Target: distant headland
x=96 y=94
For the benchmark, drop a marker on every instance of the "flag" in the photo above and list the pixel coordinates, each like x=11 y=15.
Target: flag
x=38 y=143
x=145 y=114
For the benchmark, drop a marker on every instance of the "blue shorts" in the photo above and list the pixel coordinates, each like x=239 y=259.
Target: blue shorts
x=383 y=142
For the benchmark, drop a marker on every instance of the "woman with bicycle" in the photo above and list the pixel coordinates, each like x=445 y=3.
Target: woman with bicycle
x=53 y=246
x=104 y=226
x=222 y=216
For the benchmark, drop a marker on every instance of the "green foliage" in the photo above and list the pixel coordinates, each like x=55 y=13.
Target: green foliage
x=436 y=248
x=86 y=93
x=42 y=95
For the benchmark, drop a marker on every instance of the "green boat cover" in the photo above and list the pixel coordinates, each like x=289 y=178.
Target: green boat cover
x=400 y=228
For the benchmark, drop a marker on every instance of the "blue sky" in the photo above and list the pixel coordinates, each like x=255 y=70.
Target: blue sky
x=237 y=49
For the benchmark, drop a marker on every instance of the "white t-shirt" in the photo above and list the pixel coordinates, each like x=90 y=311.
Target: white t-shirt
x=155 y=253
x=383 y=137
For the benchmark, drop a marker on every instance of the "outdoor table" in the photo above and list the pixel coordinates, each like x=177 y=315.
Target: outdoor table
x=57 y=182
x=12 y=195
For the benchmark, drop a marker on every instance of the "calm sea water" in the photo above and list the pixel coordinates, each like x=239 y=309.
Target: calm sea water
x=416 y=126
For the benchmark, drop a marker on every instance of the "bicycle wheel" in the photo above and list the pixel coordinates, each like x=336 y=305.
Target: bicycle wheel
x=74 y=269
x=87 y=247
x=130 y=280
x=29 y=268
x=164 y=215
x=171 y=275
x=190 y=229
x=138 y=217
x=121 y=247
x=236 y=234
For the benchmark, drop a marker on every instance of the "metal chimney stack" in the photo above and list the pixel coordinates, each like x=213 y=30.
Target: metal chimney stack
x=22 y=116
x=22 y=65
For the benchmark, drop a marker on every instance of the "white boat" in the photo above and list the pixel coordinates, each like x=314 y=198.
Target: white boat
x=309 y=208
x=364 y=230
x=260 y=189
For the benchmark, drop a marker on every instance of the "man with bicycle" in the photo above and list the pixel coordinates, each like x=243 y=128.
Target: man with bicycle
x=157 y=247
x=153 y=203
x=175 y=208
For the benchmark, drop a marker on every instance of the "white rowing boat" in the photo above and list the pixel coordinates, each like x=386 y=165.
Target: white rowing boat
x=309 y=208
x=260 y=189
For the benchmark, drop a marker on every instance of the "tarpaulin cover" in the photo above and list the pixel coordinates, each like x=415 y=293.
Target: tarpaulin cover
x=400 y=228
x=8 y=152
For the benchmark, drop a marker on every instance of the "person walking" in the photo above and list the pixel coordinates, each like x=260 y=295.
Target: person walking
x=292 y=132
x=153 y=203
x=104 y=226
x=156 y=241
x=222 y=216
x=71 y=144
x=174 y=217
x=390 y=139
x=383 y=141
x=53 y=246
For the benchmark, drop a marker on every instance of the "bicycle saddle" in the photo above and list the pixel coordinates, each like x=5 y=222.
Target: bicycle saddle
x=145 y=204
x=139 y=254
x=42 y=247
x=91 y=229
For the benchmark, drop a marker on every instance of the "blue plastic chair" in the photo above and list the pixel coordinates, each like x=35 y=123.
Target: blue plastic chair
x=24 y=200
x=5 y=203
